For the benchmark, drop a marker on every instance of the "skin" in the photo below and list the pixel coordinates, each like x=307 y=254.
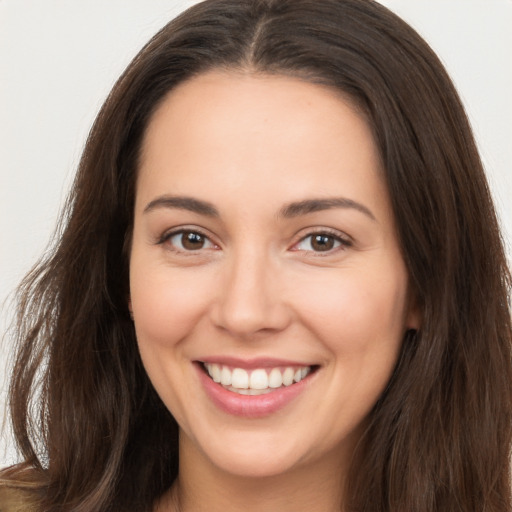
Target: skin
x=250 y=145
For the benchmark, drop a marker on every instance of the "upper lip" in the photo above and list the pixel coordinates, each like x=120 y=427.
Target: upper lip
x=253 y=363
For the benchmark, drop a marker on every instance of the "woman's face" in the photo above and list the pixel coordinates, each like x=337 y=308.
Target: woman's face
x=269 y=294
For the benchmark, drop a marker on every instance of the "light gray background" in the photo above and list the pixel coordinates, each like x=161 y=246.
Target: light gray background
x=59 y=59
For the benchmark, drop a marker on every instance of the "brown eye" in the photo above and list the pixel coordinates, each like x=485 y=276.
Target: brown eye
x=189 y=241
x=192 y=241
x=321 y=242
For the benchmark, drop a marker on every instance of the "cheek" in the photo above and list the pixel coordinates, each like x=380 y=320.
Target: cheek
x=166 y=305
x=357 y=311
x=166 y=309
x=361 y=323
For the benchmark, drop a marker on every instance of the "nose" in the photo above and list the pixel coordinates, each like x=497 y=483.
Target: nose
x=251 y=299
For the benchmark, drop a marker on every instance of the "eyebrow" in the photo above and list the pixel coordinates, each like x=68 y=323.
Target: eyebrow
x=183 y=203
x=315 y=205
x=291 y=210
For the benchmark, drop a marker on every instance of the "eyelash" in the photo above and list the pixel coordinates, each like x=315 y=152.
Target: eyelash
x=166 y=237
x=341 y=242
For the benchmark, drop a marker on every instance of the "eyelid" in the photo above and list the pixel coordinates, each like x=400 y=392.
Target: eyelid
x=168 y=234
x=345 y=240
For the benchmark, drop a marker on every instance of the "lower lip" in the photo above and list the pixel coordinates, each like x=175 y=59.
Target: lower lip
x=250 y=406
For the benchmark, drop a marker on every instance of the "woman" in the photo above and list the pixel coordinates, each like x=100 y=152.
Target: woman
x=280 y=284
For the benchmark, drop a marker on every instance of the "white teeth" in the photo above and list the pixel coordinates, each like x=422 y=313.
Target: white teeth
x=255 y=382
x=225 y=377
x=215 y=373
x=240 y=378
x=275 y=379
x=288 y=377
x=258 y=380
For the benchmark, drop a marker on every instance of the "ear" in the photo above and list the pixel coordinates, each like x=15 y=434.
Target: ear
x=414 y=316
x=413 y=320
x=130 y=308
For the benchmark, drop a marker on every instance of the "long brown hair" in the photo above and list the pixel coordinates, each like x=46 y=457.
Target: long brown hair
x=92 y=432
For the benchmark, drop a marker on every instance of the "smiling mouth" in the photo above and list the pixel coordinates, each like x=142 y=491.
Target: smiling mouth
x=258 y=381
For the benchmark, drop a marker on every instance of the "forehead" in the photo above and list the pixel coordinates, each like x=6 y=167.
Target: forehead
x=245 y=131
x=254 y=103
